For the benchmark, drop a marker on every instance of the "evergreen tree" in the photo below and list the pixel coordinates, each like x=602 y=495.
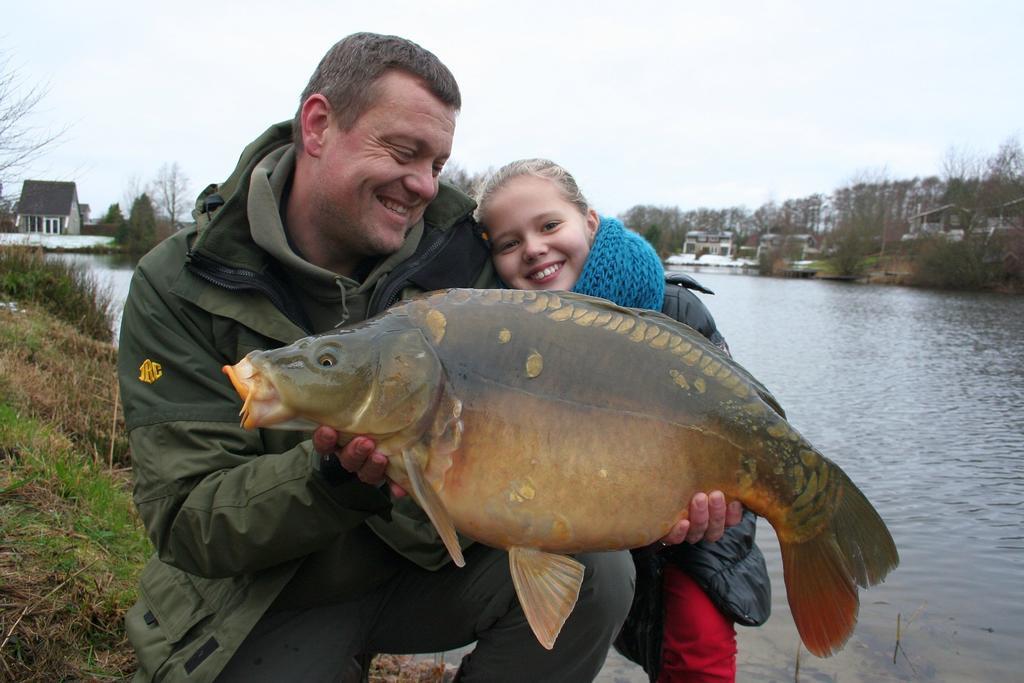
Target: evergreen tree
x=113 y=216
x=138 y=233
x=653 y=235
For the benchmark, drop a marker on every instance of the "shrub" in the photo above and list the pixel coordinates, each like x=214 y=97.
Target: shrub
x=954 y=265
x=65 y=290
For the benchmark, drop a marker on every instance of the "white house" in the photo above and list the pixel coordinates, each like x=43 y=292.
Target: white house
x=700 y=242
x=48 y=207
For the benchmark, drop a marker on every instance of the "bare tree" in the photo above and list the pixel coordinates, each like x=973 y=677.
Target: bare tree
x=20 y=142
x=171 y=193
x=961 y=164
x=765 y=218
x=466 y=181
x=1004 y=175
x=1008 y=161
x=980 y=186
x=133 y=189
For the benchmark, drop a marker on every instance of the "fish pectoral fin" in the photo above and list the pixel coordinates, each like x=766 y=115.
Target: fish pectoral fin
x=431 y=503
x=447 y=431
x=548 y=586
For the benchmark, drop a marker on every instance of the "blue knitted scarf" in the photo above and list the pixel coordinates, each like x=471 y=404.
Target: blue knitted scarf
x=623 y=268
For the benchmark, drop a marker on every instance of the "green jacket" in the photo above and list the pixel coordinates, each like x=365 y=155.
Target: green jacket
x=234 y=515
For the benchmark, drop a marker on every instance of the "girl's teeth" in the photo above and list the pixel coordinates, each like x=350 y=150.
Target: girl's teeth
x=544 y=273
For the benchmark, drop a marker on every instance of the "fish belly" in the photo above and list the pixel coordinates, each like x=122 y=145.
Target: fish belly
x=554 y=476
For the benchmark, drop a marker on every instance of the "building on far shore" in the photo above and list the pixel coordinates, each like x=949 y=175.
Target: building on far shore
x=699 y=242
x=796 y=247
x=947 y=220
x=48 y=207
x=951 y=221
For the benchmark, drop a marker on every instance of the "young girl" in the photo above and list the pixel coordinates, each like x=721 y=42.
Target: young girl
x=544 y=235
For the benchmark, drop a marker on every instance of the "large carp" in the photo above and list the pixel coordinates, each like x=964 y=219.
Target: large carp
x=550 y=423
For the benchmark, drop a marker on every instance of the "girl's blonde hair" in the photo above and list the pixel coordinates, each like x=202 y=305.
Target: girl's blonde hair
x=539 y=168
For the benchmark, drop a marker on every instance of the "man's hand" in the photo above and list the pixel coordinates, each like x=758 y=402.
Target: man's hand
x=707 y=520
x=359 y=456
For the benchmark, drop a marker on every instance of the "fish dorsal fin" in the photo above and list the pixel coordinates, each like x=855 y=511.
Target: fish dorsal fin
x=431 y=503
x=548 y=586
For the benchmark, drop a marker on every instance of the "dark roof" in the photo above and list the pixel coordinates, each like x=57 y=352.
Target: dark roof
x=937 y=209
x=718 y=234
x=46 y=198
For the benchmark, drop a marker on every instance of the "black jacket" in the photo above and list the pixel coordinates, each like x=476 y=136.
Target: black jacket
x=731 y=571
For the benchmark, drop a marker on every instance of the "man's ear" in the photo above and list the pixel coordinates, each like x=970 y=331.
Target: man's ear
x=315 y=119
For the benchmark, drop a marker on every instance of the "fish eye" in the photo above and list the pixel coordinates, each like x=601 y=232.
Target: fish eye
x=326 y=360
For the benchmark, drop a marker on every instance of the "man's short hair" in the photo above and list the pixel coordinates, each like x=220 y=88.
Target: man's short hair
x=347 y=75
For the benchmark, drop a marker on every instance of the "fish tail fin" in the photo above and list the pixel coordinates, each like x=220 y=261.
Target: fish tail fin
x=822 y=574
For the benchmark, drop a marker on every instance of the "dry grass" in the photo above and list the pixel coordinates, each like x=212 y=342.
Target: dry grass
x=59 y=376
x=406 y=669
x=69 y=552
x=71 y=545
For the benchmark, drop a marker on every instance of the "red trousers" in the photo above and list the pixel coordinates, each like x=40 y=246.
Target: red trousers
x=699 y=643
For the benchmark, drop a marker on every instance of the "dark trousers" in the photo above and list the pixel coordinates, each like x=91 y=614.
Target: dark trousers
x=421 y=611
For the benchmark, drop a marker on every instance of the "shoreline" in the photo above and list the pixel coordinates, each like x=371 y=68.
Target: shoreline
x=61 y=244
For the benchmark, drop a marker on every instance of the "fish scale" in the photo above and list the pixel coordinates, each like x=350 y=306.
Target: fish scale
x=504 y=414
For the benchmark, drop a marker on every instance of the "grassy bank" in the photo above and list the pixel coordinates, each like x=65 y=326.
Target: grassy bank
x=71 y=545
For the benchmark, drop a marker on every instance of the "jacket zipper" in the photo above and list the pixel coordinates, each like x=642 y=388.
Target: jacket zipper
x=401 y=276
x=241 y=279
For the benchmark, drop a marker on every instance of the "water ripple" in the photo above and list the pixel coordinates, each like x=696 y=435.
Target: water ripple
x=919 y=396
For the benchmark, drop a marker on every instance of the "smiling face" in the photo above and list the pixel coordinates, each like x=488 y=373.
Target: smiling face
x=357 y=192
x=539 y=240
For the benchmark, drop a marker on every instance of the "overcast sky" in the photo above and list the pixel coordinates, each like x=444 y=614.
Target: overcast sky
x=669 y=103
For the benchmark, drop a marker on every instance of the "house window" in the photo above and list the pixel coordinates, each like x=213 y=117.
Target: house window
x=52 y=225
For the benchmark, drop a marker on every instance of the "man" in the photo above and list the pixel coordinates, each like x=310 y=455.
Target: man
x=279 y=556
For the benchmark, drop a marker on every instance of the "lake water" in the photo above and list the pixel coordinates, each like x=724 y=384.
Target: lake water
x=919 y=396
x=112 y=271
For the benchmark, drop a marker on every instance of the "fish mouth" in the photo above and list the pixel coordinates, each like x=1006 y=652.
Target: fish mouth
x=261 y=402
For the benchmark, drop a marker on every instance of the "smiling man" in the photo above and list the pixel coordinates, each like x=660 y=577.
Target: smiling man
x=357 y=192
x=278 y=554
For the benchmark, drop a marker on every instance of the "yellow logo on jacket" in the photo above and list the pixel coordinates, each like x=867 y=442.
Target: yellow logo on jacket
x=150 y=372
